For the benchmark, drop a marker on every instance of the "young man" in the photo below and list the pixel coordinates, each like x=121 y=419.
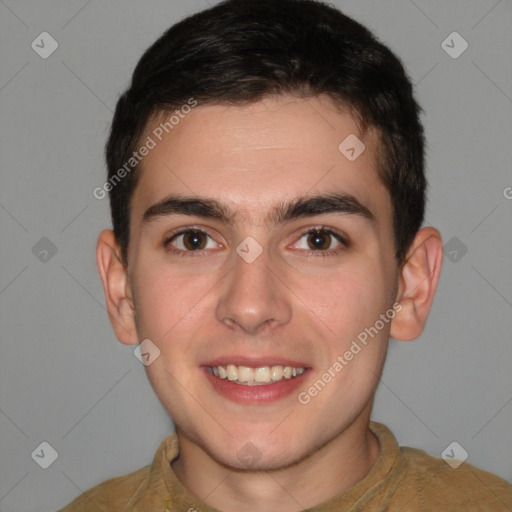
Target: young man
x=267 y=193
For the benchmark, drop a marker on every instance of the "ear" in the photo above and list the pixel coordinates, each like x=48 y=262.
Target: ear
x=117 y=289
x=418 y=283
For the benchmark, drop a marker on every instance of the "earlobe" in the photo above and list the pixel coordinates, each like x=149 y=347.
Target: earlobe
x=116 y=287
x=418 y=283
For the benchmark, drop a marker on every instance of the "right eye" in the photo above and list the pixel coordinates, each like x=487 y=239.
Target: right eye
x=190 y=240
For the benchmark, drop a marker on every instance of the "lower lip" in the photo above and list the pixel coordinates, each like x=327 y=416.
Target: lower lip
x=259 y=394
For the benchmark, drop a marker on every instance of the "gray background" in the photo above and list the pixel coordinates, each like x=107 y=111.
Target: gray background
x=64 y=377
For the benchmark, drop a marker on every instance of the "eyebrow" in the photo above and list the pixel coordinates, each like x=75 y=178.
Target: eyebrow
x=301 y=207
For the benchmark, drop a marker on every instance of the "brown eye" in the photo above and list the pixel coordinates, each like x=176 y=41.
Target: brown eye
x=322 y=241
x=194 y=240
x=319 y=240
x=190 y=240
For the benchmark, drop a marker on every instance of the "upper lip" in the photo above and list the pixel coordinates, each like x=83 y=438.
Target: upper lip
x=254 y=362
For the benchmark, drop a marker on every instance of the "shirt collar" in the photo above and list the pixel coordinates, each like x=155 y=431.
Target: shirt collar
x=382 y=479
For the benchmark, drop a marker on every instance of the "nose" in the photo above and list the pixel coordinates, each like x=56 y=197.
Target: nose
x=253 y=298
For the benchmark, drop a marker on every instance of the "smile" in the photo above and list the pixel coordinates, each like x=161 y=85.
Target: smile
x=247 y=376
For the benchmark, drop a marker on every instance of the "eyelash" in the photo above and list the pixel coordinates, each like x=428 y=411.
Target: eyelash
x=315 y=229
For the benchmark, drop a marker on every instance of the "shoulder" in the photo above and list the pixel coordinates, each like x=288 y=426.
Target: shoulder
x=144 y=487
x=439 y=486
x=112 y=494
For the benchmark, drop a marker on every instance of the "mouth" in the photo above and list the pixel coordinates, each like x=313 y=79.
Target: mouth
x=255 y=382
x=261 y=376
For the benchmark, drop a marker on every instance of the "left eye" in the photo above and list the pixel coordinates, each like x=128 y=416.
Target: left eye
x=319 y=240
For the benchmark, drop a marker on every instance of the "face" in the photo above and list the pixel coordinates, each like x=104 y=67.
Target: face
x=258 y=254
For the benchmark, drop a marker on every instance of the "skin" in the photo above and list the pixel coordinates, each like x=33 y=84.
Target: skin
x=291 y=302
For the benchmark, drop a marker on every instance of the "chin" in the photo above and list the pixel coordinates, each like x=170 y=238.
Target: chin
x=249 y=458
x=255 y=453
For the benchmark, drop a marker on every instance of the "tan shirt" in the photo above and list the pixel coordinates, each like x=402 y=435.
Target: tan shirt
x=403 y=479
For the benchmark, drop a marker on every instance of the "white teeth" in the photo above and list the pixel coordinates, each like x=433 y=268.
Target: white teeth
x=232 y=372
x=276 y=373
x=255 y=376
x=245 y=374
x=262 y=374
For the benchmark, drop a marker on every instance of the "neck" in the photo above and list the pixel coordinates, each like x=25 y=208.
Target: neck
x=326 y=472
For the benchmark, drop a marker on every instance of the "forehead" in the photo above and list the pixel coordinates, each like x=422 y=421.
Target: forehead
x=252 y=156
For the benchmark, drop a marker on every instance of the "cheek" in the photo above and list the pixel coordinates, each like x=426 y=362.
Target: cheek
x=166 y=301
x=347 y=300
x=349 y=304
